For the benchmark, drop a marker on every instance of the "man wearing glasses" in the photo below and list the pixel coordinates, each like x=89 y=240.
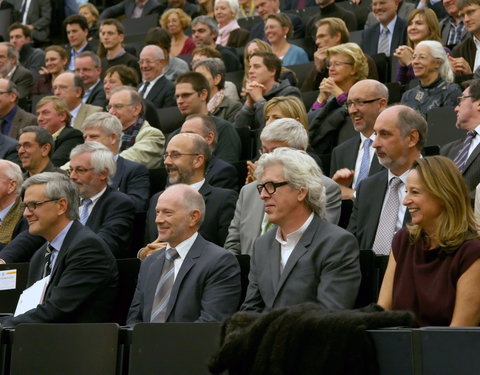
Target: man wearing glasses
x=140 y=141
x=306 y=258
x=186 y=160
x=465 y=152
x=354 y=159
x=74 y=258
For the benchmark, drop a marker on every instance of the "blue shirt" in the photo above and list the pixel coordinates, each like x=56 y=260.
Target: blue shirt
x=7 y=120
x=57 y=243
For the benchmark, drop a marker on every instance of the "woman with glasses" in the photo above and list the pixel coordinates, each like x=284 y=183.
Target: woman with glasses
x=346 y=66
x=278 y=29
x=434 y=265
x=436 y=87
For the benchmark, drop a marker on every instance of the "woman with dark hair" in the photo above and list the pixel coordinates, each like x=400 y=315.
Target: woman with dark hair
x=434 y=266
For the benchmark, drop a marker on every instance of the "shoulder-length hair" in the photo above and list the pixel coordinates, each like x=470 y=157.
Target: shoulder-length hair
x=430 y=19
x=456 y=224
x=355 y=54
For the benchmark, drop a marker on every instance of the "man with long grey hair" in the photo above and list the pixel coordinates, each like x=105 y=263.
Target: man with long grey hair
x=73 y=262
x=306 y=258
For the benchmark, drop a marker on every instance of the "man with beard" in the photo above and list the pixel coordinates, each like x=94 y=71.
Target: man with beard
x=186 y=159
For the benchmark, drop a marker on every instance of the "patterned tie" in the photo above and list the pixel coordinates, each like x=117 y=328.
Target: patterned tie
x=48 y=257
x=383 y=43
x=365 y=164
x=164 y=287
x=462 y=156
x=85 y=205
x=388 y=219
x=144 y=89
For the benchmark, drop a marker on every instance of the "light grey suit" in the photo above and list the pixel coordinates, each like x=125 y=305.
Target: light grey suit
x=246 y=225
x=206 y=289
x=323 y=268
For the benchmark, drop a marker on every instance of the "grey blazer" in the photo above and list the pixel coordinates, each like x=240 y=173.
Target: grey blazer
x=206 y=288
x=247 y=221
x=323 y=268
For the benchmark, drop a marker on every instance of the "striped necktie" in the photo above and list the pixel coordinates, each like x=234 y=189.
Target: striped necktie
x=383 y=43
x=462 y=156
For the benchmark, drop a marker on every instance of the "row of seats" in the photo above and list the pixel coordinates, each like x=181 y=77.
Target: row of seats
x=185 y=348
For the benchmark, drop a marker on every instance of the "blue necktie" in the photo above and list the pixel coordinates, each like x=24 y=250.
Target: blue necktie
x=365 y=164
x=85 y=205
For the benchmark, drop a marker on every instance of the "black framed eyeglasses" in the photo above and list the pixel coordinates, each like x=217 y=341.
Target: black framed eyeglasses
x=270 y=186
x=175 y=155
x=460 y=98
x=359 y=103
x=32 y=206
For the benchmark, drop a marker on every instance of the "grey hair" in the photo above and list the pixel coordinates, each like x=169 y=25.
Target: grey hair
x=12 y=88
x=101 y=157
x=108 y=123
x=157 y=51
x=215 y=66
x=301 y=171
x=438 y=52
x=13 y=172
x=135 y=97
x=96 y=60
x=286 y=130
x=206 y=20
x=191 y=199
x=57 y=186
x=234 y=6
x=409 y=119
x=11 y=51
x=208 y=125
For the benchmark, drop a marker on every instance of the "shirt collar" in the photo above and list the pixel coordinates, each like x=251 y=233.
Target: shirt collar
x=184 y=247
x=197 y=185
x=4 y=212
x=294 y=236
x=57 y=242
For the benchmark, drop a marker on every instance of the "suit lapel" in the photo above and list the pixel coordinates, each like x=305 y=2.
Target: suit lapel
x=189 y=261
x=98 y=207
x=119 y=174
x=472 y=158
x=274 y=257
x=300 y=249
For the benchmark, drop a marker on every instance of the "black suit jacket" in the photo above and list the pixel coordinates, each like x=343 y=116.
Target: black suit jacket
x=132 y=178
x=372 y=34
x=68 y=139
x=257 y=31
x=162 y=94
x=471 y=172
x=8 y=149
x=221 y=174
x=83 y=282
x=345 y=156
x=97 y=96
x=367 y=208
x=219 y=209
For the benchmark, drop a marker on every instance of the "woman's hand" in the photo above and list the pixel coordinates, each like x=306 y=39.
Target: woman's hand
x=250 y=171
x=404 y=55
x=319 y=58
x=329 y=87
x=43 y=70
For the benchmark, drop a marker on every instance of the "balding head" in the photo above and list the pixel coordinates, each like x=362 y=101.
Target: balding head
x=152 y=62
x=366 y=99
x=69 y=87
x=180 y=210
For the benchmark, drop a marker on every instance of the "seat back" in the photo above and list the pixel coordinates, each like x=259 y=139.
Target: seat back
x=128 y=275
x=9 y=297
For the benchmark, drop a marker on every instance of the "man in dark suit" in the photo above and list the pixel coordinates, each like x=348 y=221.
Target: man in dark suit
x=89 y=67
x=466 y=152
x=130 y=178
x=186 y=158
x=107 y=212
x=12 y=117
x=133 y=9
x=377 y=209
x=366 y=99
x=390 y=31
x=250 y=220
x=76 y=260
x=155 y=86
x=190 y=279
x=76 y=28
x=219 y=173
x=30 y=57
x=53 y=115
x=264 y=8
x=306 y=258
x=36 y=14
x=12 y=70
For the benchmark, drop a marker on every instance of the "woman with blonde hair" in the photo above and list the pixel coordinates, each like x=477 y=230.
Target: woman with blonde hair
x=436 y=87
x=285 y=107
x=434 y=266
x=175 y=20
x=91 y=14
x=230 y=34
x=422 y=25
